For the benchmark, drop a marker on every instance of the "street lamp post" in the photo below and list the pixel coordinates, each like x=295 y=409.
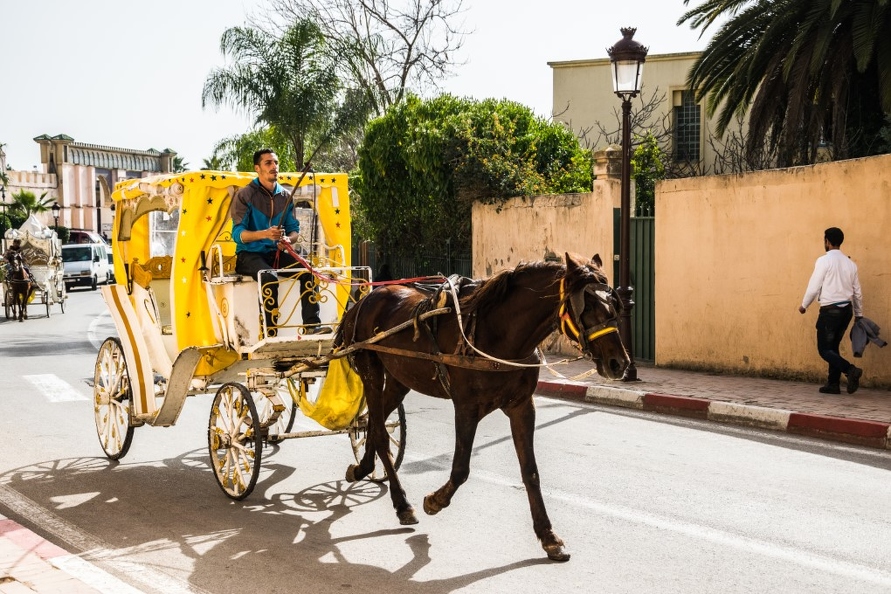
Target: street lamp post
x=3 y=215
x=56 y=208
x=627 y=58
x=98 y=208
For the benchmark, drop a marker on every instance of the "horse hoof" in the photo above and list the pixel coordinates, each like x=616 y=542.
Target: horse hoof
x=430 y=508
x=351 y=473
x=407 y=517
x=556 y=552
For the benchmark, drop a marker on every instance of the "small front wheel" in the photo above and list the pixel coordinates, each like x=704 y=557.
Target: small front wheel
x=235 y=440
x=395 y=426
x=112 y=399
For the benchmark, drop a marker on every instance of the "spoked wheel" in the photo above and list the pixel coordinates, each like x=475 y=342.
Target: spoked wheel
x=234 y=440
x=285 y=421
x=396 y=432
x=112 y=403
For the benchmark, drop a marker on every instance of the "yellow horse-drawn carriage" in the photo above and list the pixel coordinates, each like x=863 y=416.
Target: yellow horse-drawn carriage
x=188 y=324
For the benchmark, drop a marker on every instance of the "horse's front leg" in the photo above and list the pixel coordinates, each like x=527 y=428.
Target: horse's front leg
x=522 y=426
x=465 y=431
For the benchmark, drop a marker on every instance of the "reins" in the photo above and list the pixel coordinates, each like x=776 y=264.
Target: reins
x=566 y=320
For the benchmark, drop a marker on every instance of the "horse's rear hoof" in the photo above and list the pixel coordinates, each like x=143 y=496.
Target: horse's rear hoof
x=556 y=552
x=351 y=473
x=407 y=517
x=431 y=508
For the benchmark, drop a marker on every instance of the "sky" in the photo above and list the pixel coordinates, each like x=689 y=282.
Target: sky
x=129 y=74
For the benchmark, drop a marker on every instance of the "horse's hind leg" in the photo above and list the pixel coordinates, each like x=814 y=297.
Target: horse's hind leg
x=382 y=402
x=465 y=431
x=522 y=426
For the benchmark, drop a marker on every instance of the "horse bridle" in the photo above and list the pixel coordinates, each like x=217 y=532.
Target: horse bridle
x=571 y=323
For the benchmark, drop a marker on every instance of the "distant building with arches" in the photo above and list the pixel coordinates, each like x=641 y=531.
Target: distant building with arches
x=80 y=177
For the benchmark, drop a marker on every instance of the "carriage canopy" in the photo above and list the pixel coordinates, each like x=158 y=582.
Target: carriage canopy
x=182 y=215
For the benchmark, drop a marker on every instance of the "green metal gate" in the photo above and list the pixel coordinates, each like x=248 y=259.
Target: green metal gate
x=643 y=281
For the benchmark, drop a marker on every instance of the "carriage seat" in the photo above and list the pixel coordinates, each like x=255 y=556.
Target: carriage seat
x=154 y=277
x=222 y=269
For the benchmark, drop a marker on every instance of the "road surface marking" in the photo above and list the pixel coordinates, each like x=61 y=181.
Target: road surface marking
x=54 y=388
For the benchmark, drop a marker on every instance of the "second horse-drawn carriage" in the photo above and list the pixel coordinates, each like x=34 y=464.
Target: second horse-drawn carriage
x=37 y=277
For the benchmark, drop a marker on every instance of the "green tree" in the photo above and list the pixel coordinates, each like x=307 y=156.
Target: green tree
x=807 y=71
x=239 y=149
x=25 y=203
x=214 y=163
x=287 y=82
x=424 y=164
x=179 y=165
x=647 y=167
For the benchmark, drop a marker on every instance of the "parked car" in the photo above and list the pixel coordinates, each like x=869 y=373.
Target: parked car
x=86 y=264
x=84 y=236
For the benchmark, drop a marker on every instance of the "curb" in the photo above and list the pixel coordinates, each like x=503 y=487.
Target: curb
x=856 y=431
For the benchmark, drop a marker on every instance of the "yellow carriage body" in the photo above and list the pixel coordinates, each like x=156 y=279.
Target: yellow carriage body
x=177 y=297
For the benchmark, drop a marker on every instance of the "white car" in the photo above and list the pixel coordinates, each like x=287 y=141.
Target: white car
x=86 y=264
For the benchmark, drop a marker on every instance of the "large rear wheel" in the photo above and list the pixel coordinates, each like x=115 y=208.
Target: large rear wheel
x=395 y=431
x=112 y=403
x=234 y=440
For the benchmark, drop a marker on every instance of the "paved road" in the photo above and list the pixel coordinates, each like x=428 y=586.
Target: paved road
x=644 y=501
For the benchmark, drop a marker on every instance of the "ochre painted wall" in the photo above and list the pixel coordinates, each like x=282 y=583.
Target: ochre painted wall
x=734 y=254
x=528 y=229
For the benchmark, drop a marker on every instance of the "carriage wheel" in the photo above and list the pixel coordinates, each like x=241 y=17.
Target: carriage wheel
x=285 y=421
x=234 y=440
x=7 y=304
x=112 y=400
x=395 y=429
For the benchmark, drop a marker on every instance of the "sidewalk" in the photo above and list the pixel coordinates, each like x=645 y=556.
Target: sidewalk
x=29 y=564
x=863 y=418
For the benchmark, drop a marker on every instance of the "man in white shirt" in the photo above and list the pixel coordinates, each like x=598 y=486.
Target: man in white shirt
x=836 y=286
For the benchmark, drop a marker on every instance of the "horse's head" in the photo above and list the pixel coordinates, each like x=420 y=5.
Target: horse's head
x=589 y=315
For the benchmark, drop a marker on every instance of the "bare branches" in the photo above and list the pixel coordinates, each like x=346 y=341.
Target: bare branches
x=386 y=46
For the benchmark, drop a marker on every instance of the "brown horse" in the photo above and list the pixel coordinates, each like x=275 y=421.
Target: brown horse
x=489 y=362
x=19 y=282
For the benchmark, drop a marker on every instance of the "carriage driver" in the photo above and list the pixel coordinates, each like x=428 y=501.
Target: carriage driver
x=263 y=222
x=12 y=251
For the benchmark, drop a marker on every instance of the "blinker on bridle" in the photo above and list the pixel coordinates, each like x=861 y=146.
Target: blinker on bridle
x=572 y=325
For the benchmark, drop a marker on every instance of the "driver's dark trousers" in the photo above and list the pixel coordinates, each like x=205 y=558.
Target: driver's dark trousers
x=251 y=263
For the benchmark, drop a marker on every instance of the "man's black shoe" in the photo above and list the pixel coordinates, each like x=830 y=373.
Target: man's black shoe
x=830 y=389
x=854 y=379
x=319 y=330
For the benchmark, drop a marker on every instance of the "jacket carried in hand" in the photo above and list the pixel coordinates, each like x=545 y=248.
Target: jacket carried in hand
x=863 y=332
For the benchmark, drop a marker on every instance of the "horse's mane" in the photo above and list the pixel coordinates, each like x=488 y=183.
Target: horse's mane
x=494 y=290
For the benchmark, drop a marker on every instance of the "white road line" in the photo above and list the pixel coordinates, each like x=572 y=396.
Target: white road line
x=54 y=388
x=101 y=328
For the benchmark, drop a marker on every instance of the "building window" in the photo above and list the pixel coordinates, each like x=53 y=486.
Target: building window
x=687 y=127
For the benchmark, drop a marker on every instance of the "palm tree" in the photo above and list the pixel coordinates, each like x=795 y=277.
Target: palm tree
x=286 y=82
x=25 y=203
x=807 y=71
x=214 y=163
x=179 y=165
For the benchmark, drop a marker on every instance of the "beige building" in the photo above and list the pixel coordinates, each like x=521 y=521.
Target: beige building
x=79 y=177
x=583 y=97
